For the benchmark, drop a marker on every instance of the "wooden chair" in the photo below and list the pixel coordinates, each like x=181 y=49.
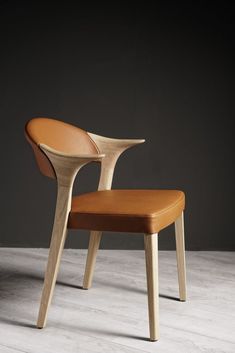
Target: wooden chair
x=61 y=150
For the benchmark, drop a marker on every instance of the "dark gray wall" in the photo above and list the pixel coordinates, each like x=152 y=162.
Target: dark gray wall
x=162 y=72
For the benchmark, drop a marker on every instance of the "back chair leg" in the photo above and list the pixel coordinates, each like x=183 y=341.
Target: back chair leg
x=180 y=253
x=151 y=255
x=95 y=237
x=56 y=247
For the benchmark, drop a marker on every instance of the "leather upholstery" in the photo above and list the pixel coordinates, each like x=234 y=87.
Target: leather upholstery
x=144 y=211
x=59 y=136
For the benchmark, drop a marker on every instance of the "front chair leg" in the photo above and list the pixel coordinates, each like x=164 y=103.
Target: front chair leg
x=151 y=255
x=56 y=247
x=94 y=243
x=180 y=253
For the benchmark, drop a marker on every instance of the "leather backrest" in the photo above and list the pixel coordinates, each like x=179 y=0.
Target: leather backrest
x=60 y=136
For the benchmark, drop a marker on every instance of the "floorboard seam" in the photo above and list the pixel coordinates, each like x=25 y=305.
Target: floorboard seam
x=15 y=349
x=200 y=334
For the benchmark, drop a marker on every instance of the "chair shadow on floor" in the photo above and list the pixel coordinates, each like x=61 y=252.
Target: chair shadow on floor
x=106 y=332
x=12 y=282
x=129 y=288
x=118 y=286
x=95 y=330
x=14 y=322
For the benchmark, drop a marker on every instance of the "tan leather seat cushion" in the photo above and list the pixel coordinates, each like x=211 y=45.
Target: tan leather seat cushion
x=141 y=211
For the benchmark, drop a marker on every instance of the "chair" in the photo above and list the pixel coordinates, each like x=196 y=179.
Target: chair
x=61 y=150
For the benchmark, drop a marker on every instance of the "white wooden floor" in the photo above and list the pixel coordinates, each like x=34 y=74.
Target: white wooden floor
x=111 y=317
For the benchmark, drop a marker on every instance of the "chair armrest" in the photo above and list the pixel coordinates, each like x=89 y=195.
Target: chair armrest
x=112 y=148
x=67 y=165
x=107 y=144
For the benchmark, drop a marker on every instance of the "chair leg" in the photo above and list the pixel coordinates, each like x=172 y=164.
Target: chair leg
x=151 y=255
x=56 y=247
x=180 y=253
x=94 y=243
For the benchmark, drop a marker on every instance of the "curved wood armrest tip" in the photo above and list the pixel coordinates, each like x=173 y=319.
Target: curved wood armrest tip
x=132 y=142
x=140 y=140
x=102 y=141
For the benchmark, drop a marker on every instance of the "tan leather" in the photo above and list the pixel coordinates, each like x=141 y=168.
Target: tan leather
x=59 y=136
x=141 y=211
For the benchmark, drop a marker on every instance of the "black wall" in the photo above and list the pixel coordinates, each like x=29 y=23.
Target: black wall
x=163 y=72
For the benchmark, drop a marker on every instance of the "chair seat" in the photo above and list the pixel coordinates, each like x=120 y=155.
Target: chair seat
x=139 y=211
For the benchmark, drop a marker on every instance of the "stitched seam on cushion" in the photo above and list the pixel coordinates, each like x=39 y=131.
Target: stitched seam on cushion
x=128 y=215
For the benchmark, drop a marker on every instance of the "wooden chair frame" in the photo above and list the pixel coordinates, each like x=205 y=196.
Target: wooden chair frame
x=66 y=167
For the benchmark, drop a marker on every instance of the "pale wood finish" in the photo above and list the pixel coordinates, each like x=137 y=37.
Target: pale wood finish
x=56 y=247
x=66 y=168
x=112 y=148
x=151 y=256
x=180 y=253
x=94 y=243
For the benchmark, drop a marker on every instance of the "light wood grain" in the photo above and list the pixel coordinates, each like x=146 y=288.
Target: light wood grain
x=151 y=256
x=94 y=242
x=112 y=149
x=180 y=254
x=56 y=247
x=66 y=168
